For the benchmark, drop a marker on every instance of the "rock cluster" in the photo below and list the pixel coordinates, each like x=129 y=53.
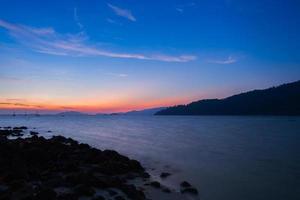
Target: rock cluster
x=36 y=168
x=186 y=187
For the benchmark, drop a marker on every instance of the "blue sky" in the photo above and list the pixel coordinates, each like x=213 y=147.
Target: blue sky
x=106 y=56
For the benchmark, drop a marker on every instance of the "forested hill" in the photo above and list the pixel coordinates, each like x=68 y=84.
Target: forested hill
x=281 y=100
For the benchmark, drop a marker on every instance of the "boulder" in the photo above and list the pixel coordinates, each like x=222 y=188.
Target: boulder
x=164 y=175
x=185 y=184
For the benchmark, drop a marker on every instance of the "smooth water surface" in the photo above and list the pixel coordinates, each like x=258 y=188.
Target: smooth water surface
x=225 y=157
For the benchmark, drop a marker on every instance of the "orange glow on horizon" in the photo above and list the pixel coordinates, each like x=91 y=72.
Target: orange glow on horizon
x=90 y=106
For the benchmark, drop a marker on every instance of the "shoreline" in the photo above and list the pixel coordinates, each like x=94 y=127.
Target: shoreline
x=61 y=168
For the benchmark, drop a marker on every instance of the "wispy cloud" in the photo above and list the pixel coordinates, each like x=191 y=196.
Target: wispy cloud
x=21 y=105
x=229 y=60
x=48 y=41
x=76 y=19
x=12 y=79
x=67 y=107
x=121 y=75
x=111 y=21
x=16 y=100
x=122 y=12
x=181 y=8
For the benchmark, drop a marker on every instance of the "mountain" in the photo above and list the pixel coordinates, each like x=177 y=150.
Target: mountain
x=150 y=111
x=281 y=100
x=70 y=113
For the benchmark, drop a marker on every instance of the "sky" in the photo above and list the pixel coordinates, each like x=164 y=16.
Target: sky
x=102 y=56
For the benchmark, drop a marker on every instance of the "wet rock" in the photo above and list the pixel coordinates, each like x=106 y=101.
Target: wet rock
x=11 y=132
x=80 y=178
x=15 y=184
x=54 y=181
x=166 y=190
x=131 y=176
x=33 y=167
x=185 y=184
x=119 y=198
x=59 y=138
x=3 y=189
x=98 y=198
x=190 y=190
x=132 y=192
x=155 y=184
x=145 y=175
x=25 y=192
x=33 y=133
x=84 y=190
x=4 y=196
x=164 y=175
x=20 y=128
x=67 y=196
x=46 y=194
x=112 y=192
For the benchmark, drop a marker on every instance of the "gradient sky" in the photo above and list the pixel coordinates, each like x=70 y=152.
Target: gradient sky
x=117 y=55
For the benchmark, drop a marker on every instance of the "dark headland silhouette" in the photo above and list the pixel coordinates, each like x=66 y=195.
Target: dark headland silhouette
x=281 y=100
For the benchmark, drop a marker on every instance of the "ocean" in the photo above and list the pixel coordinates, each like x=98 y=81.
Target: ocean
x=224 y=157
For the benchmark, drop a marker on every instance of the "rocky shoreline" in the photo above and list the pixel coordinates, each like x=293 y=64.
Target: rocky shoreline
x=34 y=168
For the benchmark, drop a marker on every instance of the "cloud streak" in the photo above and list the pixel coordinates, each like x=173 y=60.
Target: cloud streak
x=48 y=41
x=20 y=105
x=121 y=75
x=181 y=8
x=76 y=19
x=122 y=12
x=229 y=60
x=11 y=79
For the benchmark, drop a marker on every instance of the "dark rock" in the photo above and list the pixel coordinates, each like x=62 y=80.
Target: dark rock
x=132 y=192
x=84 y=146
x=131 y=176
x=84 y=190
x=145 y=175
x=20 y=128
x=25 y=192
x=46 y=194
x=119 y=198
x=32 y=167
x=112 y=192
x=3 y=188
x=164 y=175
x=59 y=138
x=11 y=132
x=166 y=190
x=54 y=181
x=33 y=133
x=98 y=198
x=185 y=184
x=67 y=196
x=4 y=196
x=155 y=184
x=190 y=190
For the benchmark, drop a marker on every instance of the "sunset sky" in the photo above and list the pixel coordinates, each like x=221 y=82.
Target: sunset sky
x=116 y=55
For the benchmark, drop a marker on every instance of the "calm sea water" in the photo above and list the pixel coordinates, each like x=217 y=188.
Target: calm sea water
x=237 y=158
